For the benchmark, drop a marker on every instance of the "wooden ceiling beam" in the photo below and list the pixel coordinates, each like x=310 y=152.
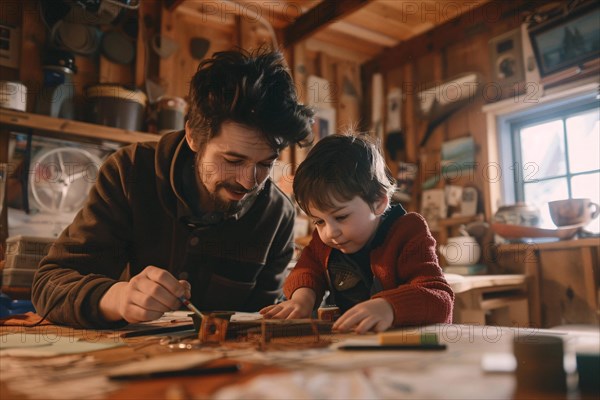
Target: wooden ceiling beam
x=171 y=5
x=336 y=51
x=374 y=22
x=364 y=34
x=350 y=42
x=452 y=31
x=319 y=17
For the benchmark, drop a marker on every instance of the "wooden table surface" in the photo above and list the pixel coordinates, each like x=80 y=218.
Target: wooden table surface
x=453 y=373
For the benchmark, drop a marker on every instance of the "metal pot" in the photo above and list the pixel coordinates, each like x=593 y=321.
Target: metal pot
x=116 y=105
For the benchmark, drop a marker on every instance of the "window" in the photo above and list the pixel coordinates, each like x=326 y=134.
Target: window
x=556 y=155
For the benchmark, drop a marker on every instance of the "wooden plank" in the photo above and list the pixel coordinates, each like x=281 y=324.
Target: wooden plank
x=279 y=13
x=33 y=35
x=348 y=88
x=478 y=20
x=171 y=5
x=564 y=296
x=319 y=17
x=489 y=282
x=393 y=78
x=364 y=34
x=558 y=245
x=409 y=117
x=416 y=25
x=208 y=14
x=146 y=61
x=335 y=50
x=286 y=157
x=590 y=277
x=11 y=14
x=58 y=127
x=300 y=75
x=349 y=42
x=181 y=26
x=4 y=158
x=437 y=11
x=376 y=23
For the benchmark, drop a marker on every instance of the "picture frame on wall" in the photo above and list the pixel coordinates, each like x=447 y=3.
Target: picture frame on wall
x=568 y=40
x=434 y=207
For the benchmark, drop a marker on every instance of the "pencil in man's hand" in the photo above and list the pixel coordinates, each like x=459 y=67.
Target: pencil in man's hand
x=190 y=306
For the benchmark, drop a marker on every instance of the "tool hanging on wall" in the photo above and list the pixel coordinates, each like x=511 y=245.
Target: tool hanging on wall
x=438 y=103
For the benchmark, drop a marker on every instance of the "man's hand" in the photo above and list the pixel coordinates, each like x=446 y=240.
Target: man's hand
x=299 y=306
x=145 y=297
x=375 y=314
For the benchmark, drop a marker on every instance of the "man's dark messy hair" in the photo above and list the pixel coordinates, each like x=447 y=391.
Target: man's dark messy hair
x=255 y=90
x=341 y=167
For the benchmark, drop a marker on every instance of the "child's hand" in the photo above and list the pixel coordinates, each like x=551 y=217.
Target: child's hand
x=286 y=310
x=299 y=306
x=375 y=314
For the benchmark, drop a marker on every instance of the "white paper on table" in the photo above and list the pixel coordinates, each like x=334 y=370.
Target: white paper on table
x=167 y=318
x=245 y=316
x=498 y=362
x=168 y=362
x=303 y=385
x=36 y=345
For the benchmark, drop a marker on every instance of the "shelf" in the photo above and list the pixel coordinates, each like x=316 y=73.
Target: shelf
x=43 y=125
x=69 y=129
x=453 y=221
x=558 y=245
x=448 y=226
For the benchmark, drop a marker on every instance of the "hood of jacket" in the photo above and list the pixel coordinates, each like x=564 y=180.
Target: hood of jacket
x=172 y=153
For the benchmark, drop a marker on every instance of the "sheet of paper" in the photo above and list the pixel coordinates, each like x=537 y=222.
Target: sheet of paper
x=37 y=345
x=168 y=362
x=245 y=316
x=71 y=377
x=170 y=317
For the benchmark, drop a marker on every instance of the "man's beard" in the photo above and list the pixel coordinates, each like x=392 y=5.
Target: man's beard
x=219 y=204
x=231 y=207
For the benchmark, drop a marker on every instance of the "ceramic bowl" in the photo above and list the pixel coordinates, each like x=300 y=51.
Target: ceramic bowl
x=518 y=214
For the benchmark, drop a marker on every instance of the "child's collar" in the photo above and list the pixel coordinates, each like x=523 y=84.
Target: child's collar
x=388 y=218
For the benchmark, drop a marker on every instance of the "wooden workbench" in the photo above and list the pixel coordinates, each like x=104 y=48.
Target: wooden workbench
x=563 y=279
x=491 y=299
x=456 y=371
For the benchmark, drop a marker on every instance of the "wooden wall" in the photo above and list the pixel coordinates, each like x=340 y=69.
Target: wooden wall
x=224 y=29
x=448 y=50
x=430 y=59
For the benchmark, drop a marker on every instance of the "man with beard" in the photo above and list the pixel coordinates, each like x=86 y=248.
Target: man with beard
x=193 y=216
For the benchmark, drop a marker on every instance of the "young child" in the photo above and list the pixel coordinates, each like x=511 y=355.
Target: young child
x=378 y=261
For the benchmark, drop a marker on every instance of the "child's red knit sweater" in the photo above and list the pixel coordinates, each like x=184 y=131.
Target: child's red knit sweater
x=405 y=264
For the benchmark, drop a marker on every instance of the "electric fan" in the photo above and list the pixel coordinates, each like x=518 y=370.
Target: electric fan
x=62 y=178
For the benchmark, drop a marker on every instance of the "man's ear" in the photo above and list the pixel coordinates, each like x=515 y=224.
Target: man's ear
x=190 y=138
x=381 y=205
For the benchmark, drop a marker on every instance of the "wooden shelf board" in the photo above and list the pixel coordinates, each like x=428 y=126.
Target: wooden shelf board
x=459 y=220
x=493 y=304
x=558 y=245
x=71 y=129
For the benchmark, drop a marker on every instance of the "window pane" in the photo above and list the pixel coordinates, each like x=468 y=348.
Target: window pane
x=542 y=146
x=583 y=138
x=588 y=186
x=540 y=193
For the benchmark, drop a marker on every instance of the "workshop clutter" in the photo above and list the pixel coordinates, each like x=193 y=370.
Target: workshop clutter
x=23 y=255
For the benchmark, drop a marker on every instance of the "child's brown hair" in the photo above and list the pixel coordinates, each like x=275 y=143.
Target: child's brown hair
x=342 y=167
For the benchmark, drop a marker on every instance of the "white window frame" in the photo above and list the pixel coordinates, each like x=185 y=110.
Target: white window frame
x=499 y=117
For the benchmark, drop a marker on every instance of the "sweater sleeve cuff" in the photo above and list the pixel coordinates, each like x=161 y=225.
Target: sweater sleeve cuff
x=91 y=308
x=414 y=310
x=300 y=280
